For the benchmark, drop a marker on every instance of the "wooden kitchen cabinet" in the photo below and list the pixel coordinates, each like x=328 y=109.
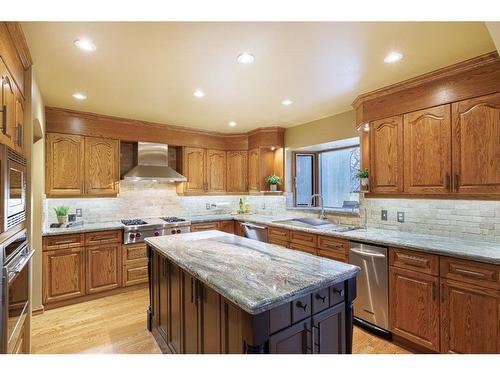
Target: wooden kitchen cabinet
x=292 y=340
x=198 y=227
x=8 y=102
x=193 y=162
x=427 y=150
x=470 y=320
x=216 y=171
x=227 y=226
x=102 y=166
x=103 y=268
x=476 y=145
x=414 y=306
x=329 y=331
x=209 y=304
x=190 y=302
x=19 y=145
x=237 y=171
x=134 y=264
x=386 y=147
x=253 y=171
x=63 y=274
x=64 y=165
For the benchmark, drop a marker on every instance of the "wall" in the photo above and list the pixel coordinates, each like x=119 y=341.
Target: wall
x=332 y=128
x=37 y=188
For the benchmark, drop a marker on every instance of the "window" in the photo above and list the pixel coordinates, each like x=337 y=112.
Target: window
x=331 y=173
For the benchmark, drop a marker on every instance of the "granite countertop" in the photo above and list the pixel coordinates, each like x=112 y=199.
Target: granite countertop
x=254 y=275
x=86 y=227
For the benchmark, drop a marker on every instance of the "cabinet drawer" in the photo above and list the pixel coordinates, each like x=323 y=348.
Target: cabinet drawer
x=303 y=238
x=279 y=233
x=320 y=300
x=334 y=245
x=99 y=238
x=337 y=293
x=278 y=242
x=134 y=252
x=301 y=308
x=135 y=273
x=198 y=227
x=477 y=273
x=414 y=260
x=63 y=241
x=333 y=255
x=304 y=248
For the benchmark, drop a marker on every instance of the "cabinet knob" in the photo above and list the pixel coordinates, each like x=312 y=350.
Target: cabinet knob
x=340 y=292
x=301 y=305
x=322 y=298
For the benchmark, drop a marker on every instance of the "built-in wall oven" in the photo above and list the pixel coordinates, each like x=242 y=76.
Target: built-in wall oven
x=15 y=285
x=13 y=188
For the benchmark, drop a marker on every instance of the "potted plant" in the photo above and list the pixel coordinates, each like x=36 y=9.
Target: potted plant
x=61 y=213
x=363 y=178
x=273 y=182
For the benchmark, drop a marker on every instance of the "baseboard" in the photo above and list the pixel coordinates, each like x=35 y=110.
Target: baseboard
x=38 y=310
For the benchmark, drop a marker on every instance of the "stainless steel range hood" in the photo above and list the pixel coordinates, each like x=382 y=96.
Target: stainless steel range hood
x=152 y=164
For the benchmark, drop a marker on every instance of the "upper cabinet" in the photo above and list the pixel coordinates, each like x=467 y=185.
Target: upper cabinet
x=193 y=168
x=386 y=146
x=427 y=150
x=253 y=170
x=216 y=171
x=64 y=165
x=436 y=135
x=237 y=166
x=8 y=103
x=476 y=145
x=102 y=166
x=81 y=166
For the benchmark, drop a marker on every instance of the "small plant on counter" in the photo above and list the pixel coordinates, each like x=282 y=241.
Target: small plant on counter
x=61 y=213
x=273 y=182
x=363 y=176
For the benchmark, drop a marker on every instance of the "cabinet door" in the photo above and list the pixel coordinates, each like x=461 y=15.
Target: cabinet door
x=231 y=333
x=216 y=171
x=210 y=320
x=293 y=340
x=63 y=274
x=64 y=169
x=103 y=267
x=162 y=310
x=175 y=303
x=194 y=169
x=237 y=167
x=227 y=226
x=102 y=166
x=414 y=307
x=8 y=107
x=476 y=145
x=19 y=122
x=470 y=320
x=190 y=314
x=253 y=171
x=427 y=150
x=199 y=227
x=329 y=331
x=386 y=146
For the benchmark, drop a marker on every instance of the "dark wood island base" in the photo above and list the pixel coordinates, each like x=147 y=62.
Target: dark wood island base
x=187 y=316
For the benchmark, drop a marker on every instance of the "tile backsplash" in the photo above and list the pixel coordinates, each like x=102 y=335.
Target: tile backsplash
x=470 y=219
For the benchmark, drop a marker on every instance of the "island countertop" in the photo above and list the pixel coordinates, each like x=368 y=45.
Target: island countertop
x=255 y=276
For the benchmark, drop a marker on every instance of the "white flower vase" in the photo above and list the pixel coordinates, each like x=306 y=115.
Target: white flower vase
x=365 y=181
x=273 y=187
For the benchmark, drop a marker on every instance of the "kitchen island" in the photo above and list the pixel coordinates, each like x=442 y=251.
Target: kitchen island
x=212 y=292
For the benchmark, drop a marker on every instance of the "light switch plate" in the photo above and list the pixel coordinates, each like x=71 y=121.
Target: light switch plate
x=401 y=216
x=207 y=206
x=384 y=215
x=78 y=212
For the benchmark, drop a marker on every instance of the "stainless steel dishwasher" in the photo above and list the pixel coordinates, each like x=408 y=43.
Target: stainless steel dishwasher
x=255 y=232
x=371 y=306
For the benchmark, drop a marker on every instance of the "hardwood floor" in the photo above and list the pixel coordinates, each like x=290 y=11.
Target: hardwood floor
x=117 y=324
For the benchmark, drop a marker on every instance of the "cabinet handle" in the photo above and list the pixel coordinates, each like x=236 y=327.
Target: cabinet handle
x=340 y=292
x=455 y=181
x=318 y=296
x=19 y=129
x=4 y=119
x=301 y=305
x=447 y=181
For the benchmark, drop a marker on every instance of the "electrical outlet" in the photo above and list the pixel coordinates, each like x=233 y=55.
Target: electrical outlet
x=207 y=206
x=384 y=215
x=78 y=212
x=401 y=216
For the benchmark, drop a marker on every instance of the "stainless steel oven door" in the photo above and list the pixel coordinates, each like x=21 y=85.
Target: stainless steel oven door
x=15 y=297
x=15 y=190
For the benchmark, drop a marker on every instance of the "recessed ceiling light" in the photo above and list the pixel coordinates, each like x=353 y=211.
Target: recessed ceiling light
x=199 y=94
x=246 y=58
x=286 y=102
x=393 y=57
x=79 y=96
x=85 y=45
x=232 y=124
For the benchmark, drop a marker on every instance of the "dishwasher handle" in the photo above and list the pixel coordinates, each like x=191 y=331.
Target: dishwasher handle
x=366 y=254
x=254 y=226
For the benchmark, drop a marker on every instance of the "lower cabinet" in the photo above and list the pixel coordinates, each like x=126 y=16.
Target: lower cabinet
x=414 y=307
x=190 y=301
x=292 y=340
x=63 y=274
x=227 y=226
x=198 y=227
x=103 y=267
x=134 y=264
x=328 y=331
x=470 y=320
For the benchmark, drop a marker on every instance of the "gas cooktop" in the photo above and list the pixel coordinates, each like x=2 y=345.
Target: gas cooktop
x=136 y=230
x=172 y=219
x=133 y=222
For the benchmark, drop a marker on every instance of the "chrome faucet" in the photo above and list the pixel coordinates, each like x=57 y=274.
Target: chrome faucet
x=322 y=214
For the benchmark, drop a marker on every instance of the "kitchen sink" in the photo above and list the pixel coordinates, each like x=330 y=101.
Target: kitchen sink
x=312 y=222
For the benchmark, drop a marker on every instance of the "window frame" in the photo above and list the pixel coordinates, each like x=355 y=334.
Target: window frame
x=316 y=172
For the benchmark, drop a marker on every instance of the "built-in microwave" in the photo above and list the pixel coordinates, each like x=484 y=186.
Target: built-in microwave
x=13 y=188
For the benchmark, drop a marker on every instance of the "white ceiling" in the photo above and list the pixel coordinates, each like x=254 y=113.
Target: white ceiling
x=149 y=71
